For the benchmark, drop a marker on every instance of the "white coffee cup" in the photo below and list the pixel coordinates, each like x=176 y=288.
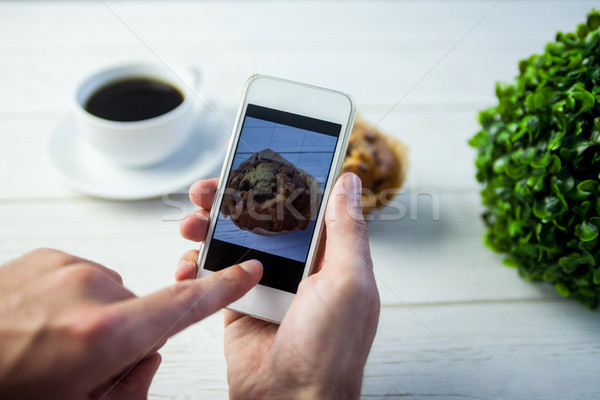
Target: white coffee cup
x=141 y=143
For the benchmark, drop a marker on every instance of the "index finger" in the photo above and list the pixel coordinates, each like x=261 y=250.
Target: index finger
x=147 y=322
x=203 y=192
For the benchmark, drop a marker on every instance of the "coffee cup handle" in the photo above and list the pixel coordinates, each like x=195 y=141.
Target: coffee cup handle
x=194 y=77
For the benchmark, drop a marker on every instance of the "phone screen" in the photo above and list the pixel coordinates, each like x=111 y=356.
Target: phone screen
x=273 y=194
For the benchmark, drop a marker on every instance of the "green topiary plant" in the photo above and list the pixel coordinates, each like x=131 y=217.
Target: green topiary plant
x=538 y=156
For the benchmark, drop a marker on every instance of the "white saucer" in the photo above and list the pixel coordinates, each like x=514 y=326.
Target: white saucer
x=83 y=169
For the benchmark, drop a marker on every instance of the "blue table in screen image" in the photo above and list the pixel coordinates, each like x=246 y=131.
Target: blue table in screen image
x=307 y=150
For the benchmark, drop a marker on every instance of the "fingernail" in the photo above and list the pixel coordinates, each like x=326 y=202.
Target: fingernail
x=158 y=361
x=252 y=267
x=353 y=188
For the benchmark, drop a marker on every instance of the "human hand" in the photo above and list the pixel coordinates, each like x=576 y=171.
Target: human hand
x=70 y=330
x=322 y=344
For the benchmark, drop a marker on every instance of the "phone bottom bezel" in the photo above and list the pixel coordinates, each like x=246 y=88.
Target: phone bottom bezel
x=273 y=306
x=261 y=302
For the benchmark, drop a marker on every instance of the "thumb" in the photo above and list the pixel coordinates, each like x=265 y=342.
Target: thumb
x=347 y=235
x=133 y=384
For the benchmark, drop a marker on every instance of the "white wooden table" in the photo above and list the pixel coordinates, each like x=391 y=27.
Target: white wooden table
x=455 y=323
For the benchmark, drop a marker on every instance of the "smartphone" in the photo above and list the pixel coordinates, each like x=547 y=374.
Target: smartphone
x=286 y=151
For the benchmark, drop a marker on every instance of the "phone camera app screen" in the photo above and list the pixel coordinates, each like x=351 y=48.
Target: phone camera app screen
x=273 y=194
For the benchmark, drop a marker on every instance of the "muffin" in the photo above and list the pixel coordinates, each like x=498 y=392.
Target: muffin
x=268 y=195
x=380 y=161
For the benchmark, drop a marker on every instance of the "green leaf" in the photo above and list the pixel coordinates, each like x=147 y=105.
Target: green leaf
x=555 y=166
x=548 y=207
x=593 y=20
x=582 y=30
x=542 y=161
x=587 y=186
x=510 y=262
x=550 y=274
x=562 y=289
x=501 y=163
x=597 y=276
x=586 y=231
x=570 y=262
x=580 y=100
x=591 y=40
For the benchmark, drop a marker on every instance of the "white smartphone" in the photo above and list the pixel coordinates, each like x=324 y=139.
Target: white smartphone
x=285 y=153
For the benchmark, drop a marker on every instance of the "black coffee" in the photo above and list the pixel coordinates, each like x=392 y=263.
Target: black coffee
x=133 y=100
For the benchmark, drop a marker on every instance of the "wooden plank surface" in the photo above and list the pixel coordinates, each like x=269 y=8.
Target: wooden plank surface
x=456 y=323
x=376 y=50
x=491 y=350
